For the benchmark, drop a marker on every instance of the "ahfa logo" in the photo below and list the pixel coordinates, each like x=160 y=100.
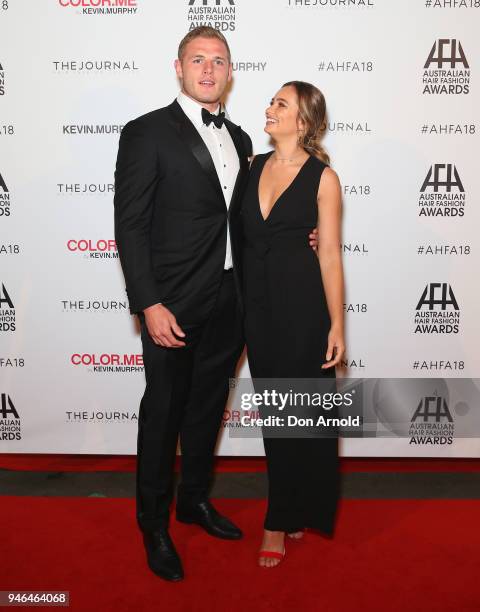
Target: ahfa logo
x=447 y=181
x=218 y=14
x=433 y=299
x=8 y=410
x=437 y=311
x=4 y=199
x=457 y=55
x=7 y=311
x=432 y=407
x=451 y=72
x=432 y=422
x=5 y=298
x=442 y=192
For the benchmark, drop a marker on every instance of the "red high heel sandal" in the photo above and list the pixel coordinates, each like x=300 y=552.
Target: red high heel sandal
x=272 y=554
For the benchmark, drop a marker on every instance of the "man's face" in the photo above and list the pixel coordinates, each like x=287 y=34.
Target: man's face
x=204 y=70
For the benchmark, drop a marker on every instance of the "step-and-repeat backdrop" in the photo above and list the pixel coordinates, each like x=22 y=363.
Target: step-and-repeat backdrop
x=402 y=81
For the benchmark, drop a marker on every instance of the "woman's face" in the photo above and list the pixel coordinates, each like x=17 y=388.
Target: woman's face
x=282 y=114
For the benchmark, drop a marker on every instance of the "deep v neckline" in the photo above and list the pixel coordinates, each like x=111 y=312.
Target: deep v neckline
x=265 y=219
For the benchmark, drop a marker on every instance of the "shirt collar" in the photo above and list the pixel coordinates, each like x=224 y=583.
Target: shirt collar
x=193 y=109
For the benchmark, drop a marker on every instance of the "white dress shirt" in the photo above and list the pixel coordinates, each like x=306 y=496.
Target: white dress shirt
x=220 y=146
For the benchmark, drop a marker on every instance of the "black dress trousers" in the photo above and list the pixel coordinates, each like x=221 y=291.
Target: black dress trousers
x=185 y=396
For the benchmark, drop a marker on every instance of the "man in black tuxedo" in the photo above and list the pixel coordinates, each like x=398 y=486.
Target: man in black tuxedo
x=179 y=176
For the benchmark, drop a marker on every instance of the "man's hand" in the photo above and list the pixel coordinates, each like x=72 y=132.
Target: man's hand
x=313 y=239
x=162 y=325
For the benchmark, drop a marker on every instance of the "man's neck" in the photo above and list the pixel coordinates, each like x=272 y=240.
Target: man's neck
x=212 y=107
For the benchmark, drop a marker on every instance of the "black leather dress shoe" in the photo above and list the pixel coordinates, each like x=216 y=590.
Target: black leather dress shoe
x=205 y=515
x=162 y=556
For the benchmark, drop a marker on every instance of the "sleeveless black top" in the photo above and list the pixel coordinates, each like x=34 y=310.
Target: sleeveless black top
x=286 y=315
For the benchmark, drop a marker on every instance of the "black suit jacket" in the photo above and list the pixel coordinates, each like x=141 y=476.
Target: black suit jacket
x=170 y=214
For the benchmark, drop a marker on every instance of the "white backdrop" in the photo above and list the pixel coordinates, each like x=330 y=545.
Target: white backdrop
x=73 y=72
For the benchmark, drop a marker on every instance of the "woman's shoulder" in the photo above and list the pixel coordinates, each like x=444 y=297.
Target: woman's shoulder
x=329 y=180
x=319 y=163
x=329 y=173
x=258 y=157
x=322 y=170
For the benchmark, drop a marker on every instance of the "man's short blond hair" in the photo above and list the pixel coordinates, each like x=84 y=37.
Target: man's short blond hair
x=204 y=32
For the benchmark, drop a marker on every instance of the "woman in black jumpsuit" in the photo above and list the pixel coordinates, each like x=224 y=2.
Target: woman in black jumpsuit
x=287 y=318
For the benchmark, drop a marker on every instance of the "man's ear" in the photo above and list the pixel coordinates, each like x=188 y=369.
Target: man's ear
x=230 y=72
x=178 y=68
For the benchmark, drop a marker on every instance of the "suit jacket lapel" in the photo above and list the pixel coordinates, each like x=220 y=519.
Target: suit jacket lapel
x=190 y=136
x=236 y=135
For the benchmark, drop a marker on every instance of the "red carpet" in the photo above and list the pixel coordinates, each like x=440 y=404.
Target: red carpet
x=126 y=463
x=405 y=556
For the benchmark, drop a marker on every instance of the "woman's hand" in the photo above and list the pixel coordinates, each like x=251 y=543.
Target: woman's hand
x=336 y=345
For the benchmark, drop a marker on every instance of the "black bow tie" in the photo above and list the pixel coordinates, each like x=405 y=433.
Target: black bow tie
x=207 y=118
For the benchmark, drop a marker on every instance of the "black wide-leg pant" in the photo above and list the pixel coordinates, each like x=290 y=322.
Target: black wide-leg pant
x=185 y=396
x=303 y=484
